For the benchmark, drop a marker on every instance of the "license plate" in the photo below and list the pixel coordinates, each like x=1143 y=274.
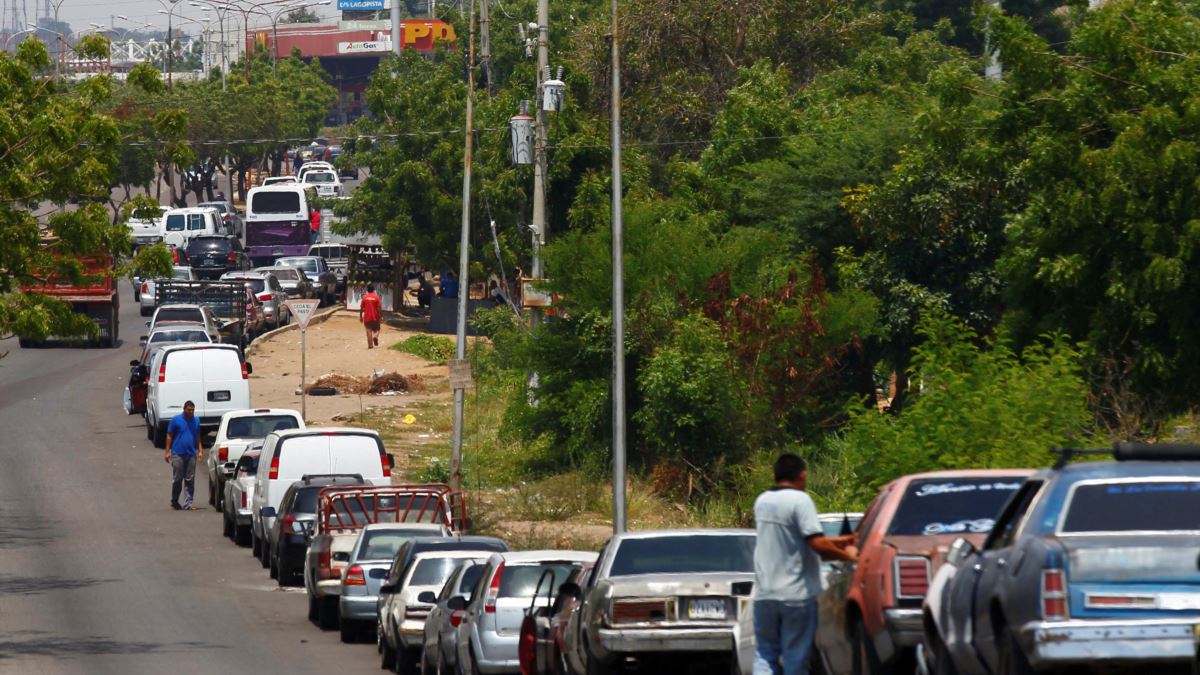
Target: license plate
x=707 y=609
x=218 y=396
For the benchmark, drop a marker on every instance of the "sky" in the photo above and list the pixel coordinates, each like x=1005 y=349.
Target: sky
x=80 y=13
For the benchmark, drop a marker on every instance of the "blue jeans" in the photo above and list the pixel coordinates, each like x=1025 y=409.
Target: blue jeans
x=784 y=631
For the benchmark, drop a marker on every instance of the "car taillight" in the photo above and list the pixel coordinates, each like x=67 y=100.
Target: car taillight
x=456 y=617
x=175 y=255
x=243 y=500
x=231 y=258
x=289 y=525
x=274 y=474
x=912 y=576
x=527 y=647
x=245 y=373
x=383 y=461
x=162 y=371
x=1054 y=595
x=489 y=602
x=325 y=564
x=265 y=297
x=355 y=577
x=145 y=286
x=223 y=454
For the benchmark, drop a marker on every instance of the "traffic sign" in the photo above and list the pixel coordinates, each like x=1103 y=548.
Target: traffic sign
x=303 y=310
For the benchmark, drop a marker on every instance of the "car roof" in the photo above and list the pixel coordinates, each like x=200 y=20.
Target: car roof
x=192 y=346
x=518 y=557
x=432 y=527
x=903 y=481
x=708 y=531
x=190 y=209
x=294 y=257
x=1125 y=469
x=418 y=544
x=325 y=431
x=176 y=326
x=319 y=482
x=256 y=412
x=253 y=274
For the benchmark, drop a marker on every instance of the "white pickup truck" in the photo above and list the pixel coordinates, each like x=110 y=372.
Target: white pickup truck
x=239 y=430
x=145 y=231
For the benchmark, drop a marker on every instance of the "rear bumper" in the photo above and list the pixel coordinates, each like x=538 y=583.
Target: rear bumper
x=242 y=517
x=1082 y=641
x=634 y=640
x=358 y=607
x=904 y=625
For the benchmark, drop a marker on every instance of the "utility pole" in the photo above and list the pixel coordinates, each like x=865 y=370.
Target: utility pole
x=618 y=292
x=539 y=142
x=464 y=288
x=395 y=16
x=485 y=44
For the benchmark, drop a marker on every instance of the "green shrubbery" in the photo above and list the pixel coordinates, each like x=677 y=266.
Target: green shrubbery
x=428 y=347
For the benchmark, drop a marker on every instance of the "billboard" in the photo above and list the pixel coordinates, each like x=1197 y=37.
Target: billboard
x=365 y=47
x=361 y=5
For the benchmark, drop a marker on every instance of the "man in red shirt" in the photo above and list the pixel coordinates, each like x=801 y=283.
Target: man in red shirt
x=314 y=223
x=369 y=309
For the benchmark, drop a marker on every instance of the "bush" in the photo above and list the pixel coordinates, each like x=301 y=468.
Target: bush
x=975 y=406
x=428 y=347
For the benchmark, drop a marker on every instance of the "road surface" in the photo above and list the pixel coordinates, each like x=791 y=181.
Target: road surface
x=97 y=573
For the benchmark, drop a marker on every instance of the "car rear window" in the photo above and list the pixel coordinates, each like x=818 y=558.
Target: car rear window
x=259 y=425
x=306 y=499
x=319 y=177
x=285 y=274
x=275 y=202
x=198 y=244
x=169 y=336
x=184 y=273
x=179 y=314
x=248 y=463
x=521 y=581
x=432 y=571
x=306 y=264
x=256 y=285
x=1160 y=505
x=952 y=505
x=383 y=544
x=176 y=222
x=685 y=554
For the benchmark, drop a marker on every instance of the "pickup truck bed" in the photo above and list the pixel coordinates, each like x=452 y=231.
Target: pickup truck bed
x=226 y=299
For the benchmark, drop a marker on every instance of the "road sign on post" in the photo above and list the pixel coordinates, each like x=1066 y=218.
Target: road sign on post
x=303 y=311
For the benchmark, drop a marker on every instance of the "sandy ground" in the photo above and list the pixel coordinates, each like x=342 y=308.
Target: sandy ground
x=338 y=345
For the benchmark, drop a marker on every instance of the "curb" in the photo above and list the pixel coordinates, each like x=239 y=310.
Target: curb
x=320 y=317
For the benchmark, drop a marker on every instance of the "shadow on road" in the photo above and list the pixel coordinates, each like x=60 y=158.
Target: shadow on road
x=17 y=535
x=15 y=585
x=39 y=643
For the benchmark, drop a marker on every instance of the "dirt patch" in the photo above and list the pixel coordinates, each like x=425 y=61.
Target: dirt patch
x=393 y=383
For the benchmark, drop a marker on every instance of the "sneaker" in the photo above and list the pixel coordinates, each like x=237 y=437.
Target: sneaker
x=176 y=506
x=376 y=342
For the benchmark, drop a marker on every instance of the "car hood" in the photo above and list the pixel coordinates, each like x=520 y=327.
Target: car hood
x=643 y=585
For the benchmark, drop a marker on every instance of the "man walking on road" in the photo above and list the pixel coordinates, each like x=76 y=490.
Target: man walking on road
x=369 y=309
x=183 y=451
x=787 y=570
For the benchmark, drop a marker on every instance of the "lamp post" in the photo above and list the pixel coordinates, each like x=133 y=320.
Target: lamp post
x=174 y=4
x=618 y=292
x=252 y=8
x=139 y=24
x=221 y=11
x=20 y=32
x=203 y=23
x=275 y=27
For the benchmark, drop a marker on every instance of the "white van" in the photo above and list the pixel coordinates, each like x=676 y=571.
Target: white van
x=211 y=376
x=277 y=221
x=326 y=182
x=288 y=456
x=180 y=225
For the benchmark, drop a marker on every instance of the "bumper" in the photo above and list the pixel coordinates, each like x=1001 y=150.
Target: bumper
x=904 y=625
x=412 y=633
x=147 y=301
x=1081 y=641
x=498 y=654
x=328 y=588
x=634 y=640
x=358 y=607
x=243 y=516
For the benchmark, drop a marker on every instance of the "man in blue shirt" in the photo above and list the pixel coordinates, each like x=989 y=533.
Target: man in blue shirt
x=787 y=570
x=448 y=286
x=183 y=451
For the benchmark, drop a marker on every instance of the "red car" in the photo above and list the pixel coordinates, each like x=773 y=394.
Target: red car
x=543 y=633
x=870 y=612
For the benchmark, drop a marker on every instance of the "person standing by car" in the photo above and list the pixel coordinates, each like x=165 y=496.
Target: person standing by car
x=369 y=308
x=328 y=281
x=183 y=451
x=314 y=222
x=787 y=570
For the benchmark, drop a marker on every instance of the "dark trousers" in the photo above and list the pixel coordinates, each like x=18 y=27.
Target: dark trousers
x=183 y=475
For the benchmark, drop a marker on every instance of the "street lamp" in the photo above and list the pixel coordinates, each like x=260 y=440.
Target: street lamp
x=32 y=29
x=174 y=4
x=139 y=24
x=221 y=11
x=246 y=26
x=275 y=27
x=203 y=23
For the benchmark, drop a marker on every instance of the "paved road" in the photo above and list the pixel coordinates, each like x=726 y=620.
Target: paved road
x=97 y=573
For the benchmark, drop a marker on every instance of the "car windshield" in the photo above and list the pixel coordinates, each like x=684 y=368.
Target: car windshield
x=275 y=202
x=952 y=505
x=834 y=528
x=169 y=313
x=184 y=273
x=432 y=571
x=319 y=177
x=259 y=426
x=383 y=544
x=684 y=554
x=306 y=264
x=167 y=336
x=1159 y=505
x=521 y=581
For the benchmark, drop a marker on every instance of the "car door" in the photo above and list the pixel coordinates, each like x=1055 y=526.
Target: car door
x=995 y=568
x=845 y=585
x=470 y=623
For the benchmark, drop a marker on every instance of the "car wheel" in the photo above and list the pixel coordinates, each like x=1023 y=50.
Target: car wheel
x=595 y=666
x=327 y=613
x=226 y=525
x=313 y=610
x=1010 y=659
x=149 y=430
x=349 y=631
x=160 y=436
x=241 y=534
x=255 y=545
x=387 y=658
x=942 y=663
x=144 y=311
x=212 y=494
x=406 y=661
x=864 y=661
x=264 y=555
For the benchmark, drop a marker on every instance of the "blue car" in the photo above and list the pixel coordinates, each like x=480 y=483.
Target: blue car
x=1089 y=564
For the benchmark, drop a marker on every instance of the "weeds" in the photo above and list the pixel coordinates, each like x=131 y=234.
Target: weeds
x=429 y=347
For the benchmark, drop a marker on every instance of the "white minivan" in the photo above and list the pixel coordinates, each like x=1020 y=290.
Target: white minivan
x=289 y=456
x=212 y=376
x=180 y=225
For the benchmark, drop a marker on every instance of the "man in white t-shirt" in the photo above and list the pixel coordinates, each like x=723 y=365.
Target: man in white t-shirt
x=787 y=570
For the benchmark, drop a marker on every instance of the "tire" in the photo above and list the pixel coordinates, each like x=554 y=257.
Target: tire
x=864 y=660
x=387 y=655
x=25 y=343
x=595 y=666
x=226 y=525
x=406 y=661
x=160 y=436
x=255 y=545
x=348 y=631
x=212 y=495
x=942 y=663
x=144 y=311
x=1010 y=659
x=273 y=569
x=327 y=613
x=149 y=430
x=264 y=554
x=313 y=612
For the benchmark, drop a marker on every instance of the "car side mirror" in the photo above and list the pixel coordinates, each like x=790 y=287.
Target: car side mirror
x=456 y=603
x=135 y=363
x=571 y=590
x=147 y=326
x=427 y=597
x=267 y=512
x=960 y=550
x=249 y=368
x=142 y=342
